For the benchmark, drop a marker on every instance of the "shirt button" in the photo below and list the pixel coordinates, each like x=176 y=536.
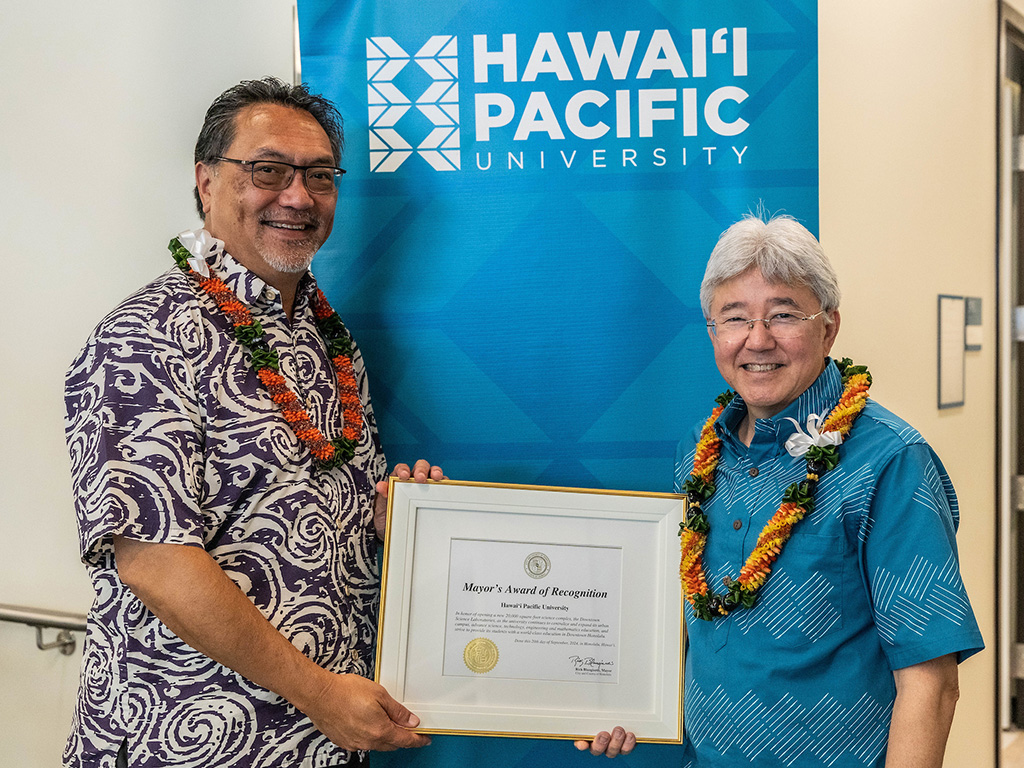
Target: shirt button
x=737 y=524
x=753 y=472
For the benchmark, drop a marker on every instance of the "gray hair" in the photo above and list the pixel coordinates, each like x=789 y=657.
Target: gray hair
x=218 y=131
x=781 y=248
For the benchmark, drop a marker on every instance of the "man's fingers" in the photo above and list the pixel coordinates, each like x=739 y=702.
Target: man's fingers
x=401 y=738
x=412 y=739
x=629 y=743
x=617 y=743
x=397 y=712
x=403 y=719
x=421 y=471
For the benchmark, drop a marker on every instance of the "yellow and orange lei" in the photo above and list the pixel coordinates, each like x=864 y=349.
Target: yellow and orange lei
x=328 y=453
x=797 y=501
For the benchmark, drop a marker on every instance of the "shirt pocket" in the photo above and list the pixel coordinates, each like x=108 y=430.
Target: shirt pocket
x=807 y=596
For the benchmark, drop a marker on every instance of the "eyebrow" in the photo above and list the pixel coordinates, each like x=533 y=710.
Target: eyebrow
x=269 y=153
x=775 y=301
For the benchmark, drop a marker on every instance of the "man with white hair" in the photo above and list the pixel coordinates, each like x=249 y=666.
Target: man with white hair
x=824 y=606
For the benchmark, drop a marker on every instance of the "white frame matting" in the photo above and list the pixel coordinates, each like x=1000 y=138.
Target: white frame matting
x=637 y=683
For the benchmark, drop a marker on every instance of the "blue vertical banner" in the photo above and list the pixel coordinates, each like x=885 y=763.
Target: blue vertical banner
x=533 y=189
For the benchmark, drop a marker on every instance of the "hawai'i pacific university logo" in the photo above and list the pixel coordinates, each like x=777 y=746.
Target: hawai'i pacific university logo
x=391 y=146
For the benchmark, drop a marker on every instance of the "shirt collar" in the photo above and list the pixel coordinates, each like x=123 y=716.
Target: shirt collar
x=819 y=398
x=250 y=287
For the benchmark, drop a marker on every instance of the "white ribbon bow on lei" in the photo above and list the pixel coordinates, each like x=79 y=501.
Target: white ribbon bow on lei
x=799 y=442
x=201 y=244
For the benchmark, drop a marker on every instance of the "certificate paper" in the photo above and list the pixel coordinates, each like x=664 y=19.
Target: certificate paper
x=533 y=611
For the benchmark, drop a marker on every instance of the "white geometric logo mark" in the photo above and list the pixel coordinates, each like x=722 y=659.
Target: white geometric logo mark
x=439 y=103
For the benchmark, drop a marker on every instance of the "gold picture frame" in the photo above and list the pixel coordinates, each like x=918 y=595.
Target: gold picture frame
x=533 y=611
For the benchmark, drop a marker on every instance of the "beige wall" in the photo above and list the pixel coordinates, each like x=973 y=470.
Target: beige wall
x=101 y=103
x=908 y=182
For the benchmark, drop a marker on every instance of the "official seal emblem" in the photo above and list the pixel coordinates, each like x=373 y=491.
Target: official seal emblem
x=537 y=565
x=481 y=655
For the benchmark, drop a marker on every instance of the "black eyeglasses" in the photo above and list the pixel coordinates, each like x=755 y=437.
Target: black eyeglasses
x=277 y=175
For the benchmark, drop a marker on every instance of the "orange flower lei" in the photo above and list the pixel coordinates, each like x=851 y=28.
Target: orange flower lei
x=327 y=453
x=797 y=501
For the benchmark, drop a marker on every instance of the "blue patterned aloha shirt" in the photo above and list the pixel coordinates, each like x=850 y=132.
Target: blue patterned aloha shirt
x=868 y=583
x=173 y=439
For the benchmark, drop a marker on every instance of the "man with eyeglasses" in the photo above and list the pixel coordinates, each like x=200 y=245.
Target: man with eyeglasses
x=229 y=481
x=824 y=606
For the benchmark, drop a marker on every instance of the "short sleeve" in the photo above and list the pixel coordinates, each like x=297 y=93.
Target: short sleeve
x=133 y=429
x=910 y=562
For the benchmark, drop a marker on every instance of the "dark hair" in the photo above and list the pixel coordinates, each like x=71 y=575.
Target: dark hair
x=218 y=130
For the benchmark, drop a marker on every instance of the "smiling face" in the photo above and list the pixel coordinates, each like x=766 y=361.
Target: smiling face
x=770 y=373
x=272 y=233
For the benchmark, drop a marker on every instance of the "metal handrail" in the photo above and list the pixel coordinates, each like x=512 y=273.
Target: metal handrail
x=42 y=619
x=39 y=617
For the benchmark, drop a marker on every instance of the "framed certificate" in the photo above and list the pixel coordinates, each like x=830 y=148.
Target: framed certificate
x=510 y=610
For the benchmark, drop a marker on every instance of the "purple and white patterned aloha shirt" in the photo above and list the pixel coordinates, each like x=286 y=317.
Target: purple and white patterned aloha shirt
x=173 y=439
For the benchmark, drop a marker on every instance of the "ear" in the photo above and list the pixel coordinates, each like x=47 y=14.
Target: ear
x=204 y=178
x=831 y=330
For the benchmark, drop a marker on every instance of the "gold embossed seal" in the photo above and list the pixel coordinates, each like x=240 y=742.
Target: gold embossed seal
x=481 y=655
